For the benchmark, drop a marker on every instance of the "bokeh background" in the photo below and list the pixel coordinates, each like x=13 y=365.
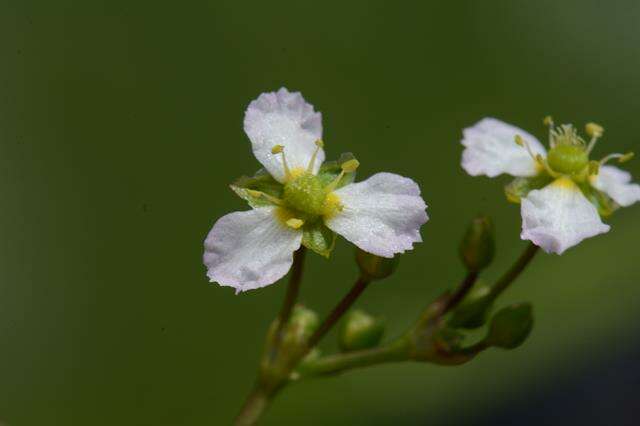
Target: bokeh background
x=121 y=126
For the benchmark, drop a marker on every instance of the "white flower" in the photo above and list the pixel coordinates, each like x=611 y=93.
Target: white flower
x=562 y=193
x=298 y=201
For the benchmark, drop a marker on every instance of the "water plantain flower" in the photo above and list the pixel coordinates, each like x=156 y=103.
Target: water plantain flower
x=297 y=200
x=562 y=193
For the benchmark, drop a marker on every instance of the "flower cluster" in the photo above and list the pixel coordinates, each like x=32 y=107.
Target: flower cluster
x=563 y=194
x=298 y=199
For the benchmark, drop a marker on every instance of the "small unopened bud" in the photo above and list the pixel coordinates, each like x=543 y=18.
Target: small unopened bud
x=478 y=246
x=375 y=267
x=360 y=331
x=472 y=311
x=594 y=130
x=510 y=327
x=302 y=323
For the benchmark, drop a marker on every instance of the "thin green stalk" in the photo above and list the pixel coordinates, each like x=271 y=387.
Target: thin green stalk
x=516 y=269
x=341 y=308
x=254 y=406
x=333 y=364
x=293 y=289
x=465 y=286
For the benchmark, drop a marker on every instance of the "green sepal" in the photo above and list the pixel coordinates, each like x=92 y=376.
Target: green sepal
x=331 y=169
x=261 y=181
x=375 y=267
x=521 y=186
x=605 y=205
x=318 y=238
x=474 y=308
x=510 y=326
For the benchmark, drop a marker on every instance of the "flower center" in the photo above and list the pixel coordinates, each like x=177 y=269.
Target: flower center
x=305 y=197
x=568 y=159
x=305 y=194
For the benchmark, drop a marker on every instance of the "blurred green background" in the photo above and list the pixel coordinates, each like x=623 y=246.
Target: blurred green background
x=121 y=126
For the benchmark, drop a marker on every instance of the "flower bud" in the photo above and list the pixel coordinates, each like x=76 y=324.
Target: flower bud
x=510 y=327
x=375 y=267
x=360 y=331
x=302 y=323
x=478 y=246
x=472 y=311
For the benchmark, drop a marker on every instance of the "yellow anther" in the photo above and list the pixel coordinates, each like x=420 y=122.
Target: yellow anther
x=350 y=166
x=295 y=223
x=548 y=121
x=259 y=194
x=277 y=149
x=626 y=157
x=319 y=143
x=594 y=130
x=521 y=142
x=622 y=158
x=594 y=168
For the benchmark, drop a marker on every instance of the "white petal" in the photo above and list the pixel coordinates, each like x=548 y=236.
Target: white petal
x=490 y=149
x=381 y=215
x=617 y=184
x=250 y=249
x=559 y=216
x=283 y=118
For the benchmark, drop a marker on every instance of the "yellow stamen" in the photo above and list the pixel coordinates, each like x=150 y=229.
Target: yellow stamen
x=520 y=141
x=595 y=131
x=622 y=158
x=350 y=166
x=347 y=167
x=319 y=146
x=548 y=121
x=332 y=205
x=295 y=223
x=279 y=149
x=258 y=194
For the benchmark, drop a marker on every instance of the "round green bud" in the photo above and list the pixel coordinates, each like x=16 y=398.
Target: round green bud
x=511 y=326
x=305 y=194
x=375 y=267
x=478 y=246
x=360 y=331
x=568 y=159
x=302 y=323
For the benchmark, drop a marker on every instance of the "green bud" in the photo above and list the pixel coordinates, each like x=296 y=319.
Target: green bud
x=478 y=246
x=302 y=323
x=511 y=326
x=472 y=311
x=360 y=331
x=375 y=267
